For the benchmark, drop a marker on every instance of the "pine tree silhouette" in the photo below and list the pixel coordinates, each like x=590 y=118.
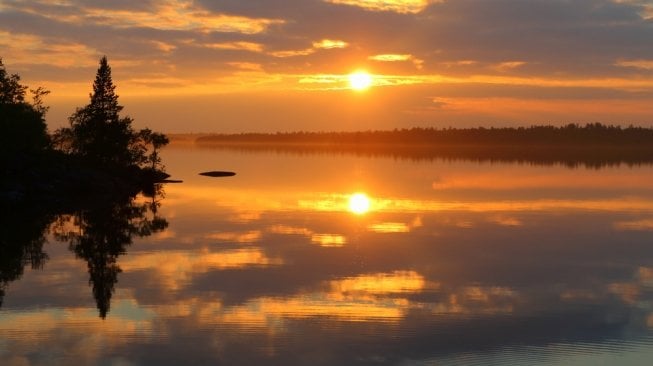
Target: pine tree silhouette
x=98 y=132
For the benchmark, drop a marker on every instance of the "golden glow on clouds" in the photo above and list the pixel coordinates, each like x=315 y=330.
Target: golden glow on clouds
x=398 y=6
x=639 y=64
x=30 y=49
x=343 y=82
x=325 y=44
x=181 y=15
x=330 y=44
x=292 y=53
x=507 y=108
x=244 y=46
x=509 y=65
x=318 y=80
x=163 y=46
x=251 y=77
x=390 y=57
x=250 y=66
x=398 y=58
x=460 y=63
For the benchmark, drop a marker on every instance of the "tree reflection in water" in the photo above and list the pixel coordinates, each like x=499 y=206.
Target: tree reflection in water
x=98 y=230
x=22 y=235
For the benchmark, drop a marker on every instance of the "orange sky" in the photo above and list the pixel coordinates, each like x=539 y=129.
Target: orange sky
x=260 y=65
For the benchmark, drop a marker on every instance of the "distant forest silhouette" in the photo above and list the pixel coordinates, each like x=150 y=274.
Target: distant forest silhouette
x=592 y=145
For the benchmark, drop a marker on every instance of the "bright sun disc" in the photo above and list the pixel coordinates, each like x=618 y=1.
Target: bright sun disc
x=359 y=203
x=360 y=80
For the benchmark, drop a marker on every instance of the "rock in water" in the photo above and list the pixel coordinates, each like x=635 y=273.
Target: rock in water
x=218 y=174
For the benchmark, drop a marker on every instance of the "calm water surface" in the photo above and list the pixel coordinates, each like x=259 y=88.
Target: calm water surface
x=341 y=260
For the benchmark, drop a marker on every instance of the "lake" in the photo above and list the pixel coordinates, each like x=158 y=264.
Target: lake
x=341 y=259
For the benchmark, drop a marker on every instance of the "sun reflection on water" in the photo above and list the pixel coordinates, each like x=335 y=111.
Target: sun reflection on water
x=359 y=203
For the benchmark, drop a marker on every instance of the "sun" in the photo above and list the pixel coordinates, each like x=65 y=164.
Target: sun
x=359 y=203
x=360 y=80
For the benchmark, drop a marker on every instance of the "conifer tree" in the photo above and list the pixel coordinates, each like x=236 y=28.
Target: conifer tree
x=98 y=132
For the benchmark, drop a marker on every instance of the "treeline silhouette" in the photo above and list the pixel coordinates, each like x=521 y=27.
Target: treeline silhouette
x=592 y=134
x=592 y=145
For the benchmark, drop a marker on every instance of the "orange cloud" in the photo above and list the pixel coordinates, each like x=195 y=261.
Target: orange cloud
x=398 y=6
x=329 y=44
x=173 y=15
x=245 y=46
x=639 y=64
x=508 y=65
x=390 y=57
x=325 y=44
x=30 y=49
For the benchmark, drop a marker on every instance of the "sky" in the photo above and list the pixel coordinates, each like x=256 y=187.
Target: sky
x=284 y=65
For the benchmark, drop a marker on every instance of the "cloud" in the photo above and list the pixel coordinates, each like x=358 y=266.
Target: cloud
x=161 y=15
x=34 y=49
x=329 y=44
x=325 y=44
x=390 y=57
x=509 y=65
x=245 y=46
x=638 y=64
x=399 y=6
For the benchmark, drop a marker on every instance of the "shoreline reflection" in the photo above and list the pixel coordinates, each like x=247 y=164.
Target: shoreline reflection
x=98 y=230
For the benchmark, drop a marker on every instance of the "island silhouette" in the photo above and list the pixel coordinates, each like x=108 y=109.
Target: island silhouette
x=79 y=184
